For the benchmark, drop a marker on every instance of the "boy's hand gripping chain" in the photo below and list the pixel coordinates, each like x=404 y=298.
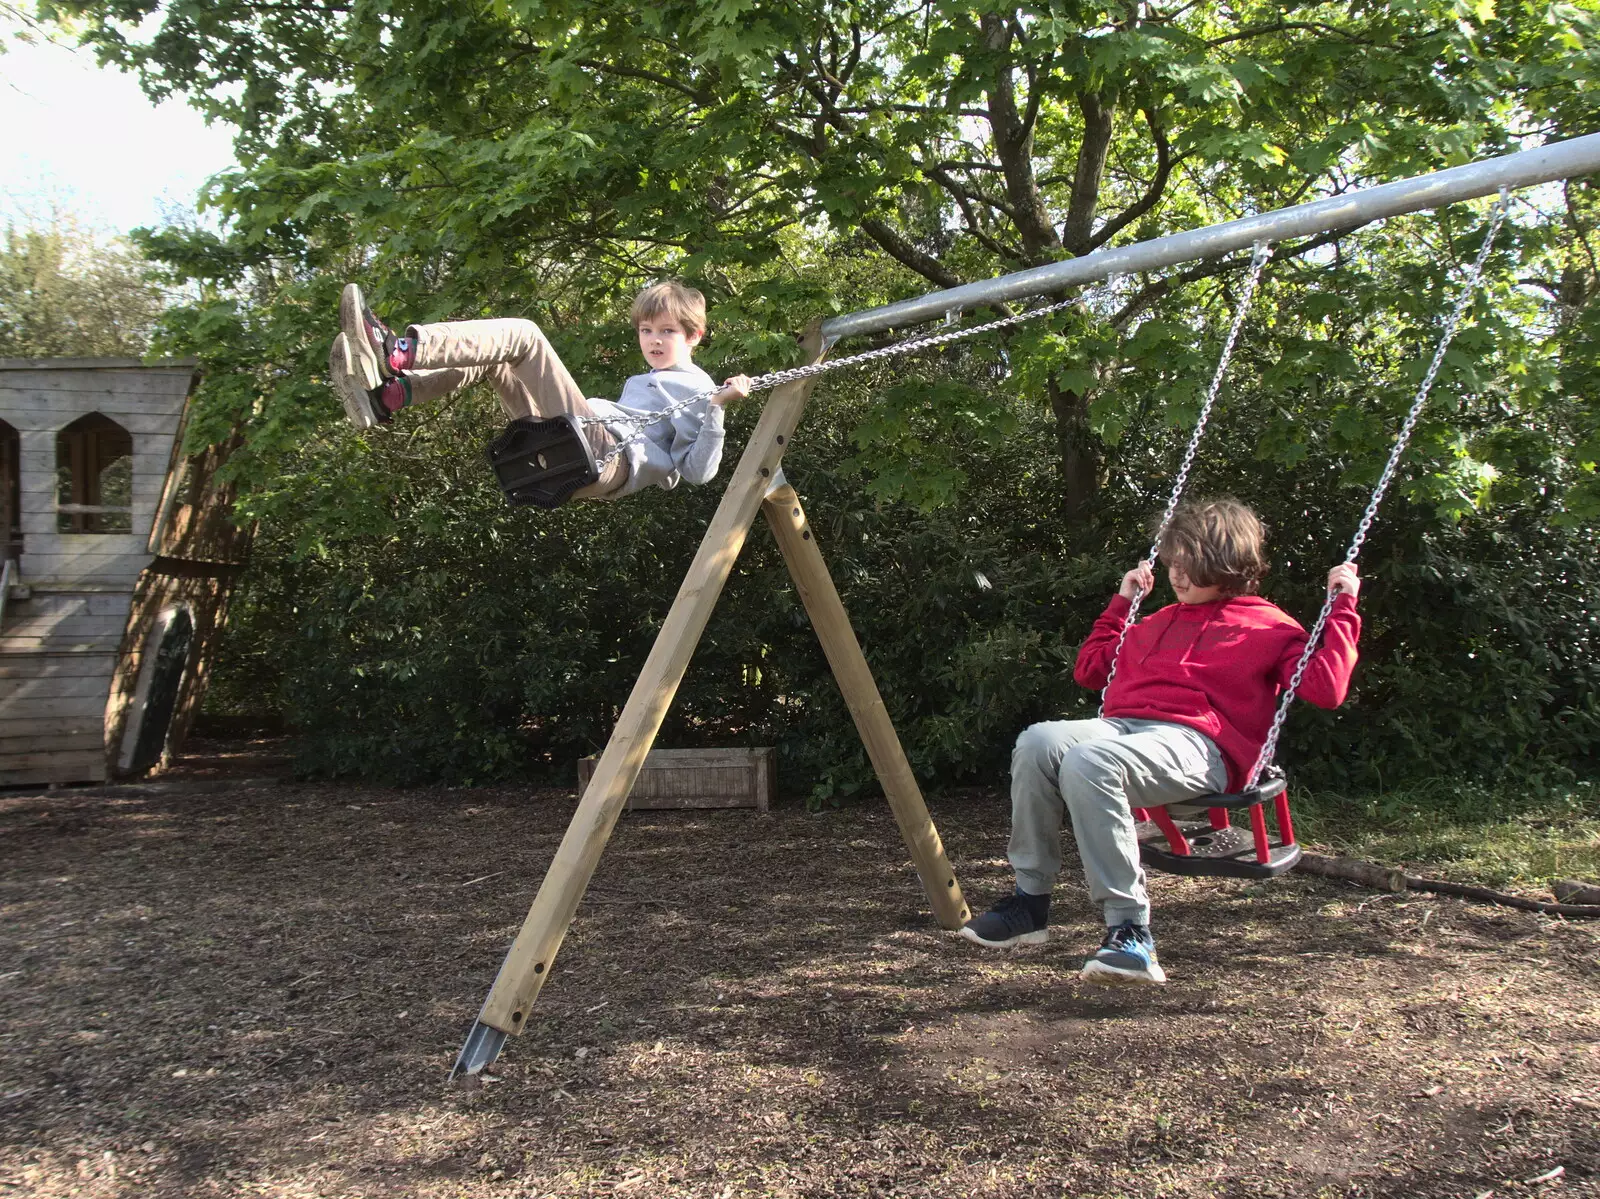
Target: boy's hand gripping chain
x=1258 y=259
x=1469 y=292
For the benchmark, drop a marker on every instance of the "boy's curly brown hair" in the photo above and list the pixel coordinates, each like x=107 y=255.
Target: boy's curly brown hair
x=1217 y=543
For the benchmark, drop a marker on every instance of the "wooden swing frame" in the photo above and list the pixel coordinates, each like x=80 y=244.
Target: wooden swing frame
x=757 y=483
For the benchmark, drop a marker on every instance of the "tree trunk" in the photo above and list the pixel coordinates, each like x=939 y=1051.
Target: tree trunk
x=1081 y=457
x=1012 y=132
x=1078 y=230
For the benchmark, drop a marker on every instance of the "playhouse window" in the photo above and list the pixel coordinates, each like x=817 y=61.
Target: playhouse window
x=10 y=489
x=94 y=477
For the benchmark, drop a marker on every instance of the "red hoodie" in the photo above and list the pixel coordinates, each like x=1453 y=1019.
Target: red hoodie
x=1218 y=667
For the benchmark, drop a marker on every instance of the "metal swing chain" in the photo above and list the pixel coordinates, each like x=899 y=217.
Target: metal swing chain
x=1259 y=255
x=792 y=374
x=1469 y=292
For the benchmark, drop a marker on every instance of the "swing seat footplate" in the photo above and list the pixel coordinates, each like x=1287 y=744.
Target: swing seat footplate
x=1226 y=853
x=1181 y=844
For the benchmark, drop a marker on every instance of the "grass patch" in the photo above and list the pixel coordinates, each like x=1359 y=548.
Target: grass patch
x=1497 y=834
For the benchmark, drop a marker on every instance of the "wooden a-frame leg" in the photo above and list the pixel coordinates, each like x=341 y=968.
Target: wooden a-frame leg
x=527 y=963
x=854 y=676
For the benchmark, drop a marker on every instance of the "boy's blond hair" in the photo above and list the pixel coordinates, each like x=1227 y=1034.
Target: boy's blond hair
x=673 y=301
x=1217 y=543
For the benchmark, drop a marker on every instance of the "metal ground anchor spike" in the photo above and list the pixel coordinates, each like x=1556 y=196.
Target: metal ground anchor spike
x=483 y=1046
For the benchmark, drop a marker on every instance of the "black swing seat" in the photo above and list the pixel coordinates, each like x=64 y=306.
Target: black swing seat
x=542 y=461
x=1215 y=846
x=1272 y=785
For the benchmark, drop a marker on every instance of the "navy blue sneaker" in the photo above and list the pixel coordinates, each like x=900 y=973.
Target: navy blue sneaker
x=1127 y=955
x=1018 y=919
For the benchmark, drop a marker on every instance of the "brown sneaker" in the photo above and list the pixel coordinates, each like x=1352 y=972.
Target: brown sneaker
x=350 y=381
x=368 y=336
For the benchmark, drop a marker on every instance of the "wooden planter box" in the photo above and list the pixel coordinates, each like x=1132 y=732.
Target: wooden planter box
x=698 y=778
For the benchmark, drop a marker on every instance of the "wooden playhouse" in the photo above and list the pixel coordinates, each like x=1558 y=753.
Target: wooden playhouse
x=117 y=555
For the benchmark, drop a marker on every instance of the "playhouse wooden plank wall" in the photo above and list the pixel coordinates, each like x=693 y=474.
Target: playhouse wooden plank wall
x=66 y=631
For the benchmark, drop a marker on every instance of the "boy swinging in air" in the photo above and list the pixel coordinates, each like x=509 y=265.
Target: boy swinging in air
x=378 y=373
x=1187 y=712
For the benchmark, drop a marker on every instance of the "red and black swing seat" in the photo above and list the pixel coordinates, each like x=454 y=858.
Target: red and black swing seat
x=1216 y=846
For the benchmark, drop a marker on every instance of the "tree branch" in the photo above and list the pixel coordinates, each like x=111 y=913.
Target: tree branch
x=1013 y=143
x=706 y=99
x=974 y=225
x=1035 y=92
x=1550 y=285
x=1576 y=222
x=1286 y=26
x=950 y=183
x=1152 y=193
x=908 y=255
x=921 y=108
x=829 y=111
x=855 y=52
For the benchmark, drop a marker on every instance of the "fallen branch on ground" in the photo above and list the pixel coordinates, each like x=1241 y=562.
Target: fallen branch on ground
x=1384 y=878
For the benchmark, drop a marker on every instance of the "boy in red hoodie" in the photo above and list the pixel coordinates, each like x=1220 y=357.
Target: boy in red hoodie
x=1194 y=692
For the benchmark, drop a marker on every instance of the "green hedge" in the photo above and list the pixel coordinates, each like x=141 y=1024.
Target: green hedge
x=424 y=632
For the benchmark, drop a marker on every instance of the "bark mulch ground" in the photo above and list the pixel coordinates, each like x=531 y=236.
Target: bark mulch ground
x=213 y=986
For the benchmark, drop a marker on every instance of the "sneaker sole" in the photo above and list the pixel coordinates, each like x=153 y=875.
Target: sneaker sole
x=1038 y=937
x=342 y=374
x=354 y=327
x=1110 y=976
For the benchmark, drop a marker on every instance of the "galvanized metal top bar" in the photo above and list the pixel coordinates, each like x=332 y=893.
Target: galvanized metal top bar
x=1561 y=160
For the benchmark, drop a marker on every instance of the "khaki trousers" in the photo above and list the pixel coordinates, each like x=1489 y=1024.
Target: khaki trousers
x=513 y=356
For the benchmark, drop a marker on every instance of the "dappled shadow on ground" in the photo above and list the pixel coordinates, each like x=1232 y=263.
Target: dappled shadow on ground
x=261 y=991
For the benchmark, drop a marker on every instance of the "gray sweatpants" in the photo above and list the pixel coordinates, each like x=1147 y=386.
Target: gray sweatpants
x=1098 y=771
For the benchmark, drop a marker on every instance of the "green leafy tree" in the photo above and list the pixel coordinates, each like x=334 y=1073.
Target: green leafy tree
x=559 y=152
x=544 y=158
x=67 y=292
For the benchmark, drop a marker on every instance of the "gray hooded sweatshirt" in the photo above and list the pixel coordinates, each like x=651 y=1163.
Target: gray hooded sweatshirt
x=687 y=445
